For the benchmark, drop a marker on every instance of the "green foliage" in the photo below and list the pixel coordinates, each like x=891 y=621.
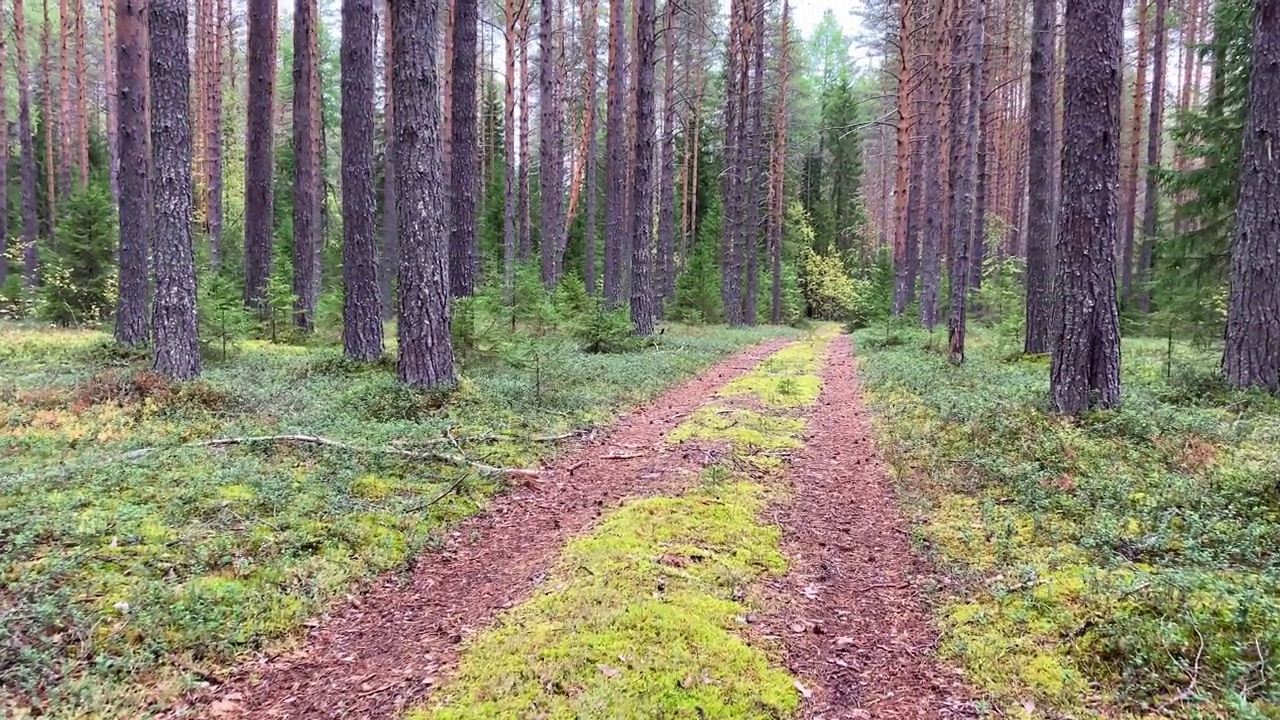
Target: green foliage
x=77 y=275
x=698 y=298
x=1001 y=301
x=1102 y=564
x=829 y=290
x=224 y=322
x=602 y=330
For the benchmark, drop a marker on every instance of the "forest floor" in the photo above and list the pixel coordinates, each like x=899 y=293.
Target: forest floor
x=753 y=543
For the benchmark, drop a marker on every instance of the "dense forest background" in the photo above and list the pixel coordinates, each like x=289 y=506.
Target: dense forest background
x=687 y=161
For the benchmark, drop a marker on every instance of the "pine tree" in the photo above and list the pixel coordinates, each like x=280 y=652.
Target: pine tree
x=177 y=353
x=1252 y=353
x=1085 y=369
x=361 y=311
x=1040 y=160
x=259 y=158
x=423 y=328
x=643 y=307
x=464 y=165
x=135 y=205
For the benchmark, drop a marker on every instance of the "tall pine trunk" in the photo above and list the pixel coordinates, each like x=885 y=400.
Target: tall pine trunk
x=66 y=118
x=464 y=166
x=50 y=121
x=931 y=244
x=777 y=181
x=82 y=97
x=665 y=267
x=135 y=205
x=177 y=349
x=1130 y=206
x=1252 y=354
x=642 y=295
x=390 y=261
x=110 y=86
x=730 y=179
x=1040 y=160
x=1085 y=371
x=26 y=140
x=213 y=137
x=590 y=111
x=4 y=163
x=526 y=211
x=361 y=311
x=756 y=158
x=306 y=171
x=426 y=346
x=510 y=231
x=259 y=157
x=615 y=222
x=550 y=162
x=1155 y=138
x=968 y=183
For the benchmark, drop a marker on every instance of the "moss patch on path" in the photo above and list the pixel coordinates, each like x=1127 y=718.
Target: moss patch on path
x=641 y=618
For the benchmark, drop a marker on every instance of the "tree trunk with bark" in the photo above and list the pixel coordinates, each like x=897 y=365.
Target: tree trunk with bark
x=26 y=140
x=465 y=164
x=1085 y=372
x=526 y=201
x=66 y=117
x=426 y=345
x=82 y=96
x=177 y=347
x=931 y=244
x=1130 y=206
x=666 y=266
x=730 y=257
x=1251 y=358
x=4 y=162
x=778 y=178
x=390 y=260
x=361 y=310
x=50 y=122
x=642 y=295
x=968 y=181
x=135 y=205
x=1155 y=139
x=306 y=171
x=756 y=158
x=1041 y=120
x=213 y=137
x=550 y=161
x=259 y=157
x=615 y=221
x=590 y=104
x=110 y=86
x=510 y=231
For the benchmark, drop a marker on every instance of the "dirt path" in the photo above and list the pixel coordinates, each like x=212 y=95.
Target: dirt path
x=372 y=657
x=851 y=612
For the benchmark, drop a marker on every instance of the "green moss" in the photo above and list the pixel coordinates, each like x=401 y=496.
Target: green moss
x=639 y=621
x=786 y=379
x=745 y=430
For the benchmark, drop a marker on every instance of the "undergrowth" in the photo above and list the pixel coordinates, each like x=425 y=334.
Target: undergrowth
x=1122 y=564
x=120 y=572
x=644 y=616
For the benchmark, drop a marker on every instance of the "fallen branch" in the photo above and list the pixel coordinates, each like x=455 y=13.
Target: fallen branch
x=621 y=456
x=520 y=473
